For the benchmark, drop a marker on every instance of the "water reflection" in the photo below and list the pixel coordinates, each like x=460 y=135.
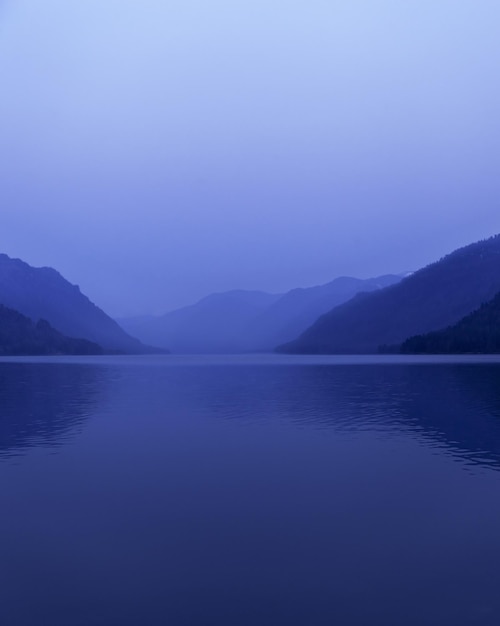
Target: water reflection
x=44 y=404
x=453 y=407
x=456 y=407
x=249 y=495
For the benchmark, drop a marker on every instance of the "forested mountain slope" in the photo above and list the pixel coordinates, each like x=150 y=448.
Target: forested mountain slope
x=432 y=298
x=42 y=293
x=19 y=335
x=477 y=333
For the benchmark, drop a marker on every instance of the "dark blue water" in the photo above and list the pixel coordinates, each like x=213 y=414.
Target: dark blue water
x=252 y=491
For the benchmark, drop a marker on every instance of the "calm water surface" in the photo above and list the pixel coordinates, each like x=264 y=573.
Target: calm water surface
x=260 y=491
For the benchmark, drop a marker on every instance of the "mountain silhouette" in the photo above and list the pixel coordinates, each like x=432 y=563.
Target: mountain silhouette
x=42 y=293
x=19 y=335
x=215 y=324
x=477 y=333
x=299 y=308
x=431 y=299
x=247 y=321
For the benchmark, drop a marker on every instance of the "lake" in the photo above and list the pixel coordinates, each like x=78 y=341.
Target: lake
x=259 y=490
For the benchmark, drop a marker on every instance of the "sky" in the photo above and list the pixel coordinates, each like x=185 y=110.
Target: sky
x=155 y=151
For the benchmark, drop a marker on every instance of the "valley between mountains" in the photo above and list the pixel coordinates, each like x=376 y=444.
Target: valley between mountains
x=450 y=306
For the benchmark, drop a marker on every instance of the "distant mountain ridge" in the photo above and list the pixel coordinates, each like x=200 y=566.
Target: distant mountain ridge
x=42 y=293
x=430 y=299
x=19 y=335
x=214 y=324
x=247 y=321
x=299 y=308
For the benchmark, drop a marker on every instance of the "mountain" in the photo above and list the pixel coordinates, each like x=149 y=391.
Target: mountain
x=42 y=293
x=247 y=321
x=477 y=333
x=19 y=335
x=433 y=298
x=214 y=324
x=297 y=309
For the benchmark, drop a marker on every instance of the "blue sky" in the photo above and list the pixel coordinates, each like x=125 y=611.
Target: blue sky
x=156 y=151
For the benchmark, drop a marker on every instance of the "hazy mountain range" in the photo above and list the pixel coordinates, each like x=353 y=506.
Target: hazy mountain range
x=247 y=321
x=431 y=299
x=42 y=293
x=452 y=305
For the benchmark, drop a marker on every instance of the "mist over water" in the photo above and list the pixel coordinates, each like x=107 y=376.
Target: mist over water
x=250 y=490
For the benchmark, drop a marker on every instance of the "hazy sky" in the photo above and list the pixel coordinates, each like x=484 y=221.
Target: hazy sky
x=154 y=151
